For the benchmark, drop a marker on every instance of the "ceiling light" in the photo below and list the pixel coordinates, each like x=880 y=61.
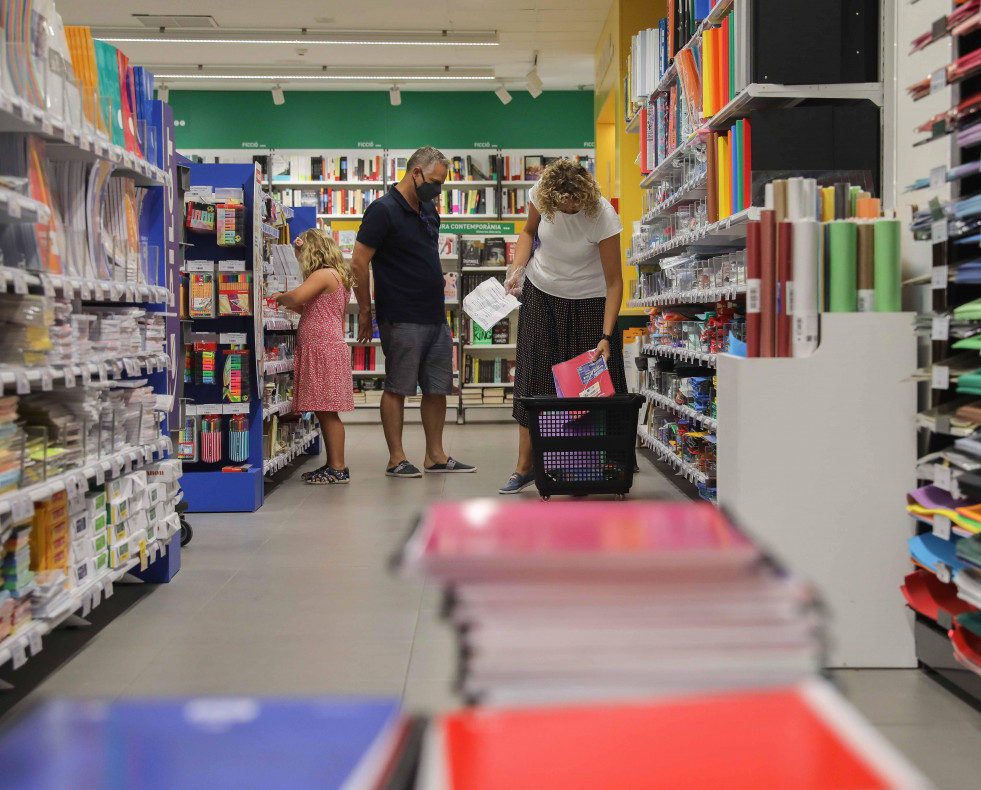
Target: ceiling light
x=535 y=92
x=534 y=83
x=277 y=94
x=395 y=96
x=163 y=92
x=444 y=38
x=281 y=75
x=503 y=95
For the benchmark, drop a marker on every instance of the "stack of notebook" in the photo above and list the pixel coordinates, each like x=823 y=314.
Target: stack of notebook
x=600 y=600
x=803 y=736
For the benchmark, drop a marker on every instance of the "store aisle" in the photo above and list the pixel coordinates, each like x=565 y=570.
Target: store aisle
x=298 y=599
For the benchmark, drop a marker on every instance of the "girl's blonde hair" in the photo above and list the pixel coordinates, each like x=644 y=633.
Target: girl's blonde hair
x=315 y=249
x=564 y=181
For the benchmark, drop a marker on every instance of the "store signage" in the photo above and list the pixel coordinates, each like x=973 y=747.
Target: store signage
x=478 y=228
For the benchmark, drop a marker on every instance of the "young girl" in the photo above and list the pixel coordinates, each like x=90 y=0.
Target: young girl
x=322 y=364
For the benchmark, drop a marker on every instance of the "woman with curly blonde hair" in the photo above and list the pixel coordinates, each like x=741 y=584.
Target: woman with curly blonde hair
x=571 y=287
x=322 y=361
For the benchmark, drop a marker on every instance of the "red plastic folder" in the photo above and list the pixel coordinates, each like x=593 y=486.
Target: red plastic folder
x=799 y=738
x=926 y=594
x=580 y=377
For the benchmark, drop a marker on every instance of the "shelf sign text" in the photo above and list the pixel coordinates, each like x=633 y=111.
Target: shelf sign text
x=477 y=228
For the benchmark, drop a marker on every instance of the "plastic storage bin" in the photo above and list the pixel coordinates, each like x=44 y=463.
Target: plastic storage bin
x=583 y=445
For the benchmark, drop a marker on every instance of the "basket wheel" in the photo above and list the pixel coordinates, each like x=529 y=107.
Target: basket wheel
x=546 y=497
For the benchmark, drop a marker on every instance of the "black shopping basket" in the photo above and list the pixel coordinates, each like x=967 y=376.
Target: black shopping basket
x=583 y=445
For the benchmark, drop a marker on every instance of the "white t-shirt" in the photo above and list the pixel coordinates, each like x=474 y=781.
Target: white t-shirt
x=567 y=262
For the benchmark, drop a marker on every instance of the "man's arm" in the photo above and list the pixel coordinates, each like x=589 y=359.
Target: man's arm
x=362 y=289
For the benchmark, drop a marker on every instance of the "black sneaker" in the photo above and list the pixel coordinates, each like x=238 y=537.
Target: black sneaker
x=452 y=466
x=307 y=475
x=403 y=469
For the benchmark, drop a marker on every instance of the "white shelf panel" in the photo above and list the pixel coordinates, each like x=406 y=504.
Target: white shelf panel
x=665 y=453
x=280 y=460
x=683 y=354
x=42 y=378
x=491 y=347
x=327 y=184
x=469 y=184
x=468 y=216
x=687 y=411
x=517 y=184
x=759 y=95
x=367 y=374
x=704 y=296
x=725 y=232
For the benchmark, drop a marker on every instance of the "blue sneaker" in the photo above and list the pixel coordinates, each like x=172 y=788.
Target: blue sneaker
x=517 y=482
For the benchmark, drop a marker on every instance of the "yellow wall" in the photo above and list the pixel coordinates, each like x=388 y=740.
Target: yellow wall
x=610 y=59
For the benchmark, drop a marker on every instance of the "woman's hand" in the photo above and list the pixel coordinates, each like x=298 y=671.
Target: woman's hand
x=515 y=280
x=602 y=350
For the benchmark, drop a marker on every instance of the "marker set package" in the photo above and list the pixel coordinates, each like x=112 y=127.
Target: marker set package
x=236 y=377
x=235 y=293
x=201 y=295
x=201 y=439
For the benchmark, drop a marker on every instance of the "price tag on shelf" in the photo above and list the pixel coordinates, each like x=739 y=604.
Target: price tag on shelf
x=107 y=590
x=34 y=640
x=86 y=605
x=939 y=277
x=116 y=464
x=100 y=474
x=13 y=208
x=20 y=283
x=23 y=383
x=69 y=378
x=47 y=380
x=231 y=266
x=85 y=290
x=163 y=549
x=22 y=509
x=99 y=292
x=942 y=477
x=938 y=80
x=938 y=176
x=18 y=655
x=233 y=338
x=144 y=559
x=938 y=231
x=940 y=329
x=103 y=373
x=941 y=527
x=86 y=375
x=941 y=377
x=47 y=287
x=68 y=288
x=943 y=573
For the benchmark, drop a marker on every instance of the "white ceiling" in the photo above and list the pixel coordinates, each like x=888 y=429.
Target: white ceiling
x=563 y=32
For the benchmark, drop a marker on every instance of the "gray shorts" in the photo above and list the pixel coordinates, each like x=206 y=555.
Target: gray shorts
x=417 y=354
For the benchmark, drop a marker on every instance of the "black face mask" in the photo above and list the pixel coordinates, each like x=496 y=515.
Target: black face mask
x=427 y=191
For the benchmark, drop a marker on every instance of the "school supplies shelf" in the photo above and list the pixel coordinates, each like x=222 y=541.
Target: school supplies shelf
x=281 y=459
x=687 y=470
x=275 y=368
x=283 y=407
x=684 y=354
x=695 y=296
x=668 y=403
x=720 y=233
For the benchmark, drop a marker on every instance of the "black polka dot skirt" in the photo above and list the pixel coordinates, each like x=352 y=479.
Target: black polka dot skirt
x=553 y=330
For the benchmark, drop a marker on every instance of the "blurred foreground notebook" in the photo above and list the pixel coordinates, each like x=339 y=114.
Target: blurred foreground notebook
x=793 y=738
x=203 y=744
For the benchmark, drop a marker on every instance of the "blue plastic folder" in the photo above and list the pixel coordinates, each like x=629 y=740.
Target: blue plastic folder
x=196 y=744
x=928 y=550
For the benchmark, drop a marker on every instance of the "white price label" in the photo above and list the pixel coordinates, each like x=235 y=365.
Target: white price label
x=47 y=287
x=941 y=527
x=99 y=293
x=69 y=379
x=233 y=338
x=18 y=655
x=103 y=373
x=85 y=290
x=942 y=477
x=117 y=466
x=23 y=383
x=107 y=588
x=47 y=380
x=939 y=277
x=96 y=596
x=20 y=283
x=13 y=208
x=22 y=509
x=753 y=296
x=34 y=640
x=943 y=573
x=938 y=80
x=86 y=375
x=941 y=377
x=938 y=176
x=68 y=287
x=938 y=231
x=86 y=606
x=163 y=549
x=940 y=328
x=100 y=474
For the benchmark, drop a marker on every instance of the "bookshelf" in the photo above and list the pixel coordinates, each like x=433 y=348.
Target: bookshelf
x=87 y=397
x=687 y=115
x=936 y=250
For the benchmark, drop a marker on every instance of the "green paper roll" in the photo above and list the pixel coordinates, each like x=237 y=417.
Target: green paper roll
x=888 y=267
x=843 y=274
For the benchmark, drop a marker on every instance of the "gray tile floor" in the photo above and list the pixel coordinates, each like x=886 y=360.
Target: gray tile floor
x=298 y=599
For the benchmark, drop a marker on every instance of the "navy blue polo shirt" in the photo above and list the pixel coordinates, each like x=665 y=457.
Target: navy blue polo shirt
x=406 y=266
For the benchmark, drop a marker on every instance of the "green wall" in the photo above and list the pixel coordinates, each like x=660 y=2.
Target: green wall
x=325 y=119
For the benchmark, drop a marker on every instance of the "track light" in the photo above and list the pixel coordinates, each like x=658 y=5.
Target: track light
x=395 y=96
x=163 y=92
x=534 y=83
x=503 y=95
x=277 y=94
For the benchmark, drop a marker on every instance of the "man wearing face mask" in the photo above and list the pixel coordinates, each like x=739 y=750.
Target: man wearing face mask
x=399 y=237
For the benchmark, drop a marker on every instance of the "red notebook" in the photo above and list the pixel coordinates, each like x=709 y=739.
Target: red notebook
x=926 y=594
x=785 y=320
x=801 y=738
x=580 y=377
x=768 y=283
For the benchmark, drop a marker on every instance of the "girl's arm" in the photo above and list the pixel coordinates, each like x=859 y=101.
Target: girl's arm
x=610 y=258
x=522 y=250
x=321 y=281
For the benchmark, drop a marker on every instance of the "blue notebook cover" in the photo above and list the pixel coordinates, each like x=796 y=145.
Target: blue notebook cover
x=928 y=550
x=195 y=744
x=702 y=9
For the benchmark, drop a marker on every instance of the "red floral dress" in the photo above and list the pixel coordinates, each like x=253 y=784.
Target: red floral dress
x=322 y=365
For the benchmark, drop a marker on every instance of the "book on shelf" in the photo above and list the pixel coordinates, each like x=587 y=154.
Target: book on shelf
x=501 y=332
x=494 y=252
x=533 y=165
x=471 y=251
x=449 y=285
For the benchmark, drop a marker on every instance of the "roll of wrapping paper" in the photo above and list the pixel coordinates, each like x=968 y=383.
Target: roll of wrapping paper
x=752 y=289
x=866 y=268
x=238 y=438
x=211 y=438
x=804 y=286
x=842 y=263
x=785 y=238
x=888 y=266
x=827 y=204
x=768 y=284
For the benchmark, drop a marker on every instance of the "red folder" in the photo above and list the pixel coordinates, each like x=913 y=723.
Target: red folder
x=805 y=738
x=926 y=594
x=580 y=377
x=126 y=106
x=784 y=279
x=753 y=295
x=768 y=283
